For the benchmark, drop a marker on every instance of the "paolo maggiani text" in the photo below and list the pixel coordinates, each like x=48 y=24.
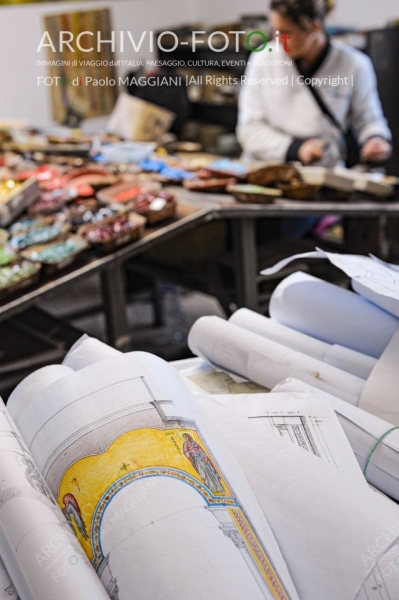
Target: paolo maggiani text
x=163 y=81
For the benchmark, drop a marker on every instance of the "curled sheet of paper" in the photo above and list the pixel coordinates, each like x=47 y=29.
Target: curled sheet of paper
x=338 y=356
x=362 y=430
x=332 y=314
x=265 y=362
x=309 y=423
x=383 y=580
x=325 y=522
x=37 y=545
x=86 y=351
x=125 y=441
x=36 y=382
x=380 y=393
x=372 y=278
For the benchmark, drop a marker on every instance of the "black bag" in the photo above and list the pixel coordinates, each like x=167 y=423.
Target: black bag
x=352 y=147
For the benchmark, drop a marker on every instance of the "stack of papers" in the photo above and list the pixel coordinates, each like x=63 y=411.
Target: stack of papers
x=339 y=346
x=264 y=469
x=113 y=479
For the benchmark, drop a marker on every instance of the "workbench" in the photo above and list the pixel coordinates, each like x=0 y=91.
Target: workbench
x=195 y=209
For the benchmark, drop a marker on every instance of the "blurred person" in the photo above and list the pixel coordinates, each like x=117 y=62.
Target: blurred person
x=324 y=123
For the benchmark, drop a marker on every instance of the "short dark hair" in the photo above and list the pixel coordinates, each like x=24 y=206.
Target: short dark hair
x=303 y=12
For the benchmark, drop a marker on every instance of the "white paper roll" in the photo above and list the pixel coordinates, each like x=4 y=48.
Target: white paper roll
x=265 y=362
x=332 y=314
x=380 y=394
x=279 y=333
x=351 y=361
x=348 y=360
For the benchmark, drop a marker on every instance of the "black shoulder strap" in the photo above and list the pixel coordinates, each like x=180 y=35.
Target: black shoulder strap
x=324 y=108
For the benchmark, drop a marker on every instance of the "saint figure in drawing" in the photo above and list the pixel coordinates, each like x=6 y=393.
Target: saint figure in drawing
x=201 y=464
x=72 y=511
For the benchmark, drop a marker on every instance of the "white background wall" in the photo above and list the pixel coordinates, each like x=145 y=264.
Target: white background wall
x=21 y=28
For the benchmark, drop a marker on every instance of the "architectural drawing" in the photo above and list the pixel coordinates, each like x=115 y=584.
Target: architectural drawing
x=383 y=580
x=302 y=430
x=169 y=452
x=296 y=428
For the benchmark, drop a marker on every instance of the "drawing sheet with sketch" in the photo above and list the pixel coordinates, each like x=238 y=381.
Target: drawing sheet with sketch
x=263 y=351
x=327 y=524
x=158 y=504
